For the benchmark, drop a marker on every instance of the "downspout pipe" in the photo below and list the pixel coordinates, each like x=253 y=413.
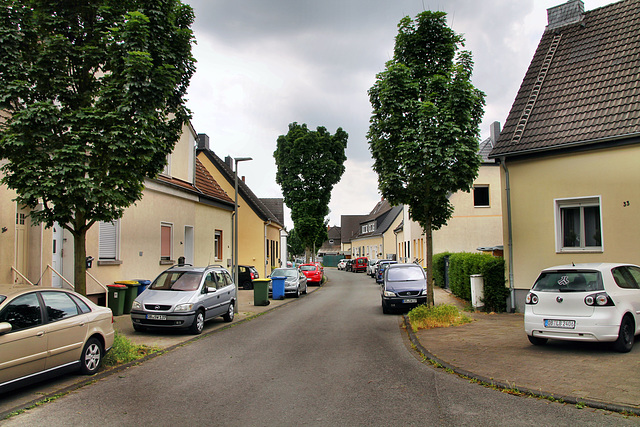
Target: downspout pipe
x=512 y=291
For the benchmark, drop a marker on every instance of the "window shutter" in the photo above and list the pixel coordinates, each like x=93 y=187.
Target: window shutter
x=108 y=246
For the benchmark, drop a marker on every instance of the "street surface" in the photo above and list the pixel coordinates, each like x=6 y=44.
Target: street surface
x=330 y=358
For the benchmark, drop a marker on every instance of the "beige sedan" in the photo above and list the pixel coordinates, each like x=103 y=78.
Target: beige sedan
x=45 y=331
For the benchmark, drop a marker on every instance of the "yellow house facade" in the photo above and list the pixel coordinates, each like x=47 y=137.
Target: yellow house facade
x=259 y=240
x=183 y=214
x=570 y=147
x=377 y=239
x=476 y=221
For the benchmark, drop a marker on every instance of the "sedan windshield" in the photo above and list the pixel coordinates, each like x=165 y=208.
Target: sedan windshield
x=284 y=272
x=569 y=281
x=177 y=281
x=405 y=274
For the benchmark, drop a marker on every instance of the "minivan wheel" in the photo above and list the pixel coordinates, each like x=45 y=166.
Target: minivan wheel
x=537 y=341
x=91 y=356
x=228 y=317
x=198 y=323
x=624 y=343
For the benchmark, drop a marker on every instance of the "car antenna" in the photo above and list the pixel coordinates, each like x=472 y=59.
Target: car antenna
x=573 y=264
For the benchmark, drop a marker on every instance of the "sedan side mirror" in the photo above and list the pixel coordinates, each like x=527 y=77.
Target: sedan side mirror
x=5 y=327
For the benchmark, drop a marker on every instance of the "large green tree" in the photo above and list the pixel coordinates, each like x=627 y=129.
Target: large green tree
x=309 y=163
x=424 y=128
x=93 y=98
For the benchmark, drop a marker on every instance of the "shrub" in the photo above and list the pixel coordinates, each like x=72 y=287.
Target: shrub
x=124 y=351
x=463 y=265
x=442 y=315
x=439 y=268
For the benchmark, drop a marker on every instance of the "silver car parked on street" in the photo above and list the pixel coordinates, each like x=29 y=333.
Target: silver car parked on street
x=185 y=297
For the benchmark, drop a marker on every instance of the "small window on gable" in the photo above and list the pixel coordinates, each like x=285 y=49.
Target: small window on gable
x=481 y=196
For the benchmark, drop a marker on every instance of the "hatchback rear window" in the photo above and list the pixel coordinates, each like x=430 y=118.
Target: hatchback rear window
x=405 y=273
x=569 y=281
x=308 y=268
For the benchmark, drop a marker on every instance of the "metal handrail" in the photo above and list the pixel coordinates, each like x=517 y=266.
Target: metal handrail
x=106 y=291
x=73 y=288
x=21 y=275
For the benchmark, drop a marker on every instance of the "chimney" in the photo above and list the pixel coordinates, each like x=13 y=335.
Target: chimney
x=203 y=141
x=242 y=178
x=569 y=13
x=228 y=160
x=494 y=133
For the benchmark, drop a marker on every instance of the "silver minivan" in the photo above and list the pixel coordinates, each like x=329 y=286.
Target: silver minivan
x=185 y=297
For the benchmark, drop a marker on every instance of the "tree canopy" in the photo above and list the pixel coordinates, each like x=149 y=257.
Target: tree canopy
x=424 y=129
x=93 y=101
x=309 y=163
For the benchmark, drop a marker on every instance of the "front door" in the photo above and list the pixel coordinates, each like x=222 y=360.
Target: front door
x=21 y=244
x=56 y=259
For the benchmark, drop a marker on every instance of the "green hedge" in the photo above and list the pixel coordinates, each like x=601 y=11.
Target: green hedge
x=462 y=266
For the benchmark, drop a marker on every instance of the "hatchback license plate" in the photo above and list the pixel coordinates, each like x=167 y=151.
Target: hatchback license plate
x=156 y=317
x=564 y=324
x=410 y=301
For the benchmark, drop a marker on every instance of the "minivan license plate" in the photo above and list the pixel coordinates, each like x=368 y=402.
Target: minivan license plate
x=156 y=317
x=564 y=324
x=410 y=301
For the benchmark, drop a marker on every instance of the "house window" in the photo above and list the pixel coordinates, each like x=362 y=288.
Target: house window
x=217 y=244
x=166 y=241
x=578 y=225
x=481 y=196
x=109 y=240
x=167 y=168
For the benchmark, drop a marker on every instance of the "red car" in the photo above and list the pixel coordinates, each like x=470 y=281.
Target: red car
x=359 y=264
x=313 y=273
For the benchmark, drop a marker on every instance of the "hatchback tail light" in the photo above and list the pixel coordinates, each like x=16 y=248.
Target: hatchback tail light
x=252 y=276
x=601 y=299
x=531 y=298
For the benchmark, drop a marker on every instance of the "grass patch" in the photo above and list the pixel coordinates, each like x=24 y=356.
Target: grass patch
x=439 y=316
x=124 y=351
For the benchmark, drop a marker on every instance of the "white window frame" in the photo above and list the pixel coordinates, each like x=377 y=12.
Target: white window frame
x=170 y=226
x=109 y=241
x=579 y=202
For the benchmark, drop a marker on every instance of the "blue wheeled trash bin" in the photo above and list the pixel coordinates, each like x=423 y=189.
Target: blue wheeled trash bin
x=277 y=287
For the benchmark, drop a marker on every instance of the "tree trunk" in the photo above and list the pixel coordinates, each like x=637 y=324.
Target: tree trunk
x=429 y=234
x=80 y=262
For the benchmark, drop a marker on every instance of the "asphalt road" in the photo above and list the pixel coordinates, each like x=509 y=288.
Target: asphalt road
x=330 y=358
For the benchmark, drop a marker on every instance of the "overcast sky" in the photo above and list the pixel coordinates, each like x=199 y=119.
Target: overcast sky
x=263 y=64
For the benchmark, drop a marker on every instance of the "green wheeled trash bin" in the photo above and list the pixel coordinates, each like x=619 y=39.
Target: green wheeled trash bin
x=261 y=291
x=130 y=295
x=117 y=295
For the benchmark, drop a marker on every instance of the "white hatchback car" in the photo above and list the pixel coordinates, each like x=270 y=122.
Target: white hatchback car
x=585 y=302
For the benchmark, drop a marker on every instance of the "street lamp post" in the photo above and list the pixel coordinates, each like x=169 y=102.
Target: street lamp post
x=235 y=228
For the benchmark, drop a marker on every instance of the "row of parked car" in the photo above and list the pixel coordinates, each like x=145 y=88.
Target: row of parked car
x=402 y=286
x=47 y=331
x=596 y=302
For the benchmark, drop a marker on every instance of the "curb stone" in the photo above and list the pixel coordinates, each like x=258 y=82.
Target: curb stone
x=506 y=386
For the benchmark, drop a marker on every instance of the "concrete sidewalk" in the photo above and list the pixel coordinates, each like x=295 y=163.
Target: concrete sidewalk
x=494 y=349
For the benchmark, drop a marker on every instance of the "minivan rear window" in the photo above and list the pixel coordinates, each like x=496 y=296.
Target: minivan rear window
x=569 y=281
